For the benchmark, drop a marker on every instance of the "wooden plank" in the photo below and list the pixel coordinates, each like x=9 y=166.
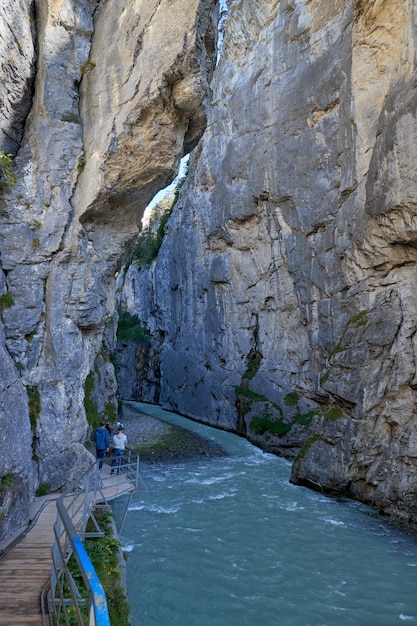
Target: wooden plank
x=9 y=617
x=24 y=571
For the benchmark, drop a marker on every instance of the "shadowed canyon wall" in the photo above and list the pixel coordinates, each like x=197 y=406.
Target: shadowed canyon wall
x=100 y=100
x=282 y=302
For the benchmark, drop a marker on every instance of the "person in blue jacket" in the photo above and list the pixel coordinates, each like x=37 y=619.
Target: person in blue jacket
x=102 y=441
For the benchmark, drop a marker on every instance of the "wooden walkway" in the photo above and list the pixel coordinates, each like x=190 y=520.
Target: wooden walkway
x=25 y=567
x=24 y=571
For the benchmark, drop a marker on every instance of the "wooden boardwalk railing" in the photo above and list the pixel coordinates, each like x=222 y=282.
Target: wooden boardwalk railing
x=25 y=565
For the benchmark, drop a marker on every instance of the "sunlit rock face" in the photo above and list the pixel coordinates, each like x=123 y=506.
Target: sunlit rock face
x=117 y=97
x=284 y=294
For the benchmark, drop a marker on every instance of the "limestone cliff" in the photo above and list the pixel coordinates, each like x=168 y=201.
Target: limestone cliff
x=282 y=303
x=100 y=100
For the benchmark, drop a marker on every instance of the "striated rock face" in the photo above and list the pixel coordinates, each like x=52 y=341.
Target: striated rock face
x=118 y=96
x=284 y=294
x=281 y=305
x=17 y=69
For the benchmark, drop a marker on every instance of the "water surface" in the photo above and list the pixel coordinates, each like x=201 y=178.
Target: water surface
x=229 y=542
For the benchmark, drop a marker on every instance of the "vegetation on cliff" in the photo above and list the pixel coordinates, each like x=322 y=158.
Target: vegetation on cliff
x=8 y=175
x=104 y=553
x=149 y=240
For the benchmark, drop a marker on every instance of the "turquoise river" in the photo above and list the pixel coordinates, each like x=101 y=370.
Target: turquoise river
x=230 y=542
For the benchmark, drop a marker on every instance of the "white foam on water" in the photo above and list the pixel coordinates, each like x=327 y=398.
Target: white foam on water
x=337 y=591
x=128 y=546
x=154 y=508
x=259 y=457
x=159 y=478
x=220 y=496
x=334 y=522
x=291 y=506
x=212 y=480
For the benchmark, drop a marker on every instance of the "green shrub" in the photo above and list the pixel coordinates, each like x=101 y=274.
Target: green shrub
x=7 y=481
x=329 y=414
x=130 y=329
x=253 y=365
x=260 y=425
x=71 y=117
x=305 y=419
x=333 y=413
x=251 y=395
x=43 y=490
x=6 y=301
x=338 y=348
x=149 y=241
x=360 y=319
x=306 y=445
x=268 y=422
x=110 y=412
x=8 y=176
x=104 y=555
x=277 y=426
x=148 y=244
x=34 y=406
x=324 y=377
x=91 y=412
x=291 y=399
x=87 y=67
x=145 y=249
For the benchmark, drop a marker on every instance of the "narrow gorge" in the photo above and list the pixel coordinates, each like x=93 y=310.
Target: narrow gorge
x=281 y=303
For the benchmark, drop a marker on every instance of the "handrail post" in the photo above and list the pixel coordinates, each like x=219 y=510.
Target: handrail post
x=86 y=512
x=137 y=469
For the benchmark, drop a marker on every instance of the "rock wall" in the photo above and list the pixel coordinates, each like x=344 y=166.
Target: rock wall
x=282 y=303
x=101 y=101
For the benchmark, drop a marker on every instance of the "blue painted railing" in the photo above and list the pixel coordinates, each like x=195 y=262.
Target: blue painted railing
x=63 y=599
x=98 y=604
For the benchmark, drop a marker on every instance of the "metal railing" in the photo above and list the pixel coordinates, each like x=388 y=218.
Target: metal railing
x=74 y=594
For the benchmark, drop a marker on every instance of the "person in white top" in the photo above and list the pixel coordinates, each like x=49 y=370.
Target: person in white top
x=119 y=445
